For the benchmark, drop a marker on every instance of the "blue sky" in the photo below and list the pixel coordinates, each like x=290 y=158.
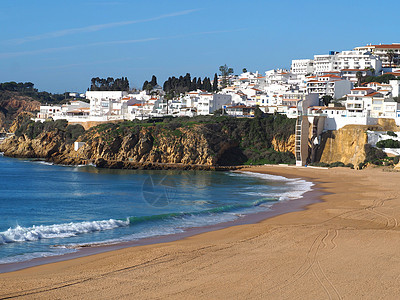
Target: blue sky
x=61 y=45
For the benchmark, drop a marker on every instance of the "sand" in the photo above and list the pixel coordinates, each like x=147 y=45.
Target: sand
x=346 y=247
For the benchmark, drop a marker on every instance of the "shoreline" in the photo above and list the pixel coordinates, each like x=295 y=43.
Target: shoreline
x=343 y=247
x=278 y=208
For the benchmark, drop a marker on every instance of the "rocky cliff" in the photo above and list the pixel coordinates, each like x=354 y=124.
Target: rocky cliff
x=345 y=145
x=12 y=104
x=208 y=142
x=350 y=143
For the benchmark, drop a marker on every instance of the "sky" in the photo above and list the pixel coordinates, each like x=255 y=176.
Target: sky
x=61 y=45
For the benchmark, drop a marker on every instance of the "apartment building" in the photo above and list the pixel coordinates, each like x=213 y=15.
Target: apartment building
x=382 y=50
x=302 y=66
x=357 y=60
x=330 y=85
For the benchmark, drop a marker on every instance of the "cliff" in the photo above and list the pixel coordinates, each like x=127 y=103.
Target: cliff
x=350 y=143
x=206 y=141
x=13 y=104
x=345 y=145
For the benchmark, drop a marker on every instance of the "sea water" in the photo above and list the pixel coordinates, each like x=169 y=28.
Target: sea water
x=48 y=210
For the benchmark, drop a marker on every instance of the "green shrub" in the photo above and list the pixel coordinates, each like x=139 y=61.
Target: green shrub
x=320 y=164
x=388 y=144
x=373 y=153
x=391 y=133
x=73 y=132
x=337 y=164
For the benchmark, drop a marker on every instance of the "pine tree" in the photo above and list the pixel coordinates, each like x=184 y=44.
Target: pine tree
x=209 y=85
x=199 y=85
x=193 y=84
x=153 y=81
x=145 y=85
x=215 y=83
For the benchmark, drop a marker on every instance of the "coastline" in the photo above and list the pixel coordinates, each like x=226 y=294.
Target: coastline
x=344 y=246
x=278 y=208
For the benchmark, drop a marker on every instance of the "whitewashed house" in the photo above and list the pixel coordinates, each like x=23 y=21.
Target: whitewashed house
x=302 y=66
x=48 y=111
x=330 y=85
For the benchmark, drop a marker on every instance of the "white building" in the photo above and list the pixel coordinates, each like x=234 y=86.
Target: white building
x=324 y=63
x=382 y=52
x=395 y=84
x=330 y=85
x=351 y=74
x=335 y=61
x=105 y=95
x=105 y=103
x=357 y=60
x=302 y=66
x=359 y=101
x=208 y=103
x=48 y=111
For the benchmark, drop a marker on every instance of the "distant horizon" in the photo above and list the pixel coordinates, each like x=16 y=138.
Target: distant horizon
x=60 y=46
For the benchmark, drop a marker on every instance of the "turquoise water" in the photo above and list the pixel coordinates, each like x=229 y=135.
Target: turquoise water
x=48 y=210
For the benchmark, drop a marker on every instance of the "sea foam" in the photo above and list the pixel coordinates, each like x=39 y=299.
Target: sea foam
x=34 y=233
x=297 y=186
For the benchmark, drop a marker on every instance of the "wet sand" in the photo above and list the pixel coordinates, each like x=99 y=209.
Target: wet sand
x=344 y=247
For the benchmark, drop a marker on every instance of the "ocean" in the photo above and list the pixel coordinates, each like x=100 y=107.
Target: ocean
x=49 y=210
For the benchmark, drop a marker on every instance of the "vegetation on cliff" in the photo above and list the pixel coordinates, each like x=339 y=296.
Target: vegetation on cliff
x=388 y=144
x=27 y=89
x=204 y=140
x=68 y=133
x=230 y=141
x=22 y=97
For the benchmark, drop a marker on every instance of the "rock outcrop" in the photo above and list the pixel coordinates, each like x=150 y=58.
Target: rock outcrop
x=345 y=145
x=11 y=105
x=284 y=145
x=350 y=143
x=185 y=146
x=128 y=145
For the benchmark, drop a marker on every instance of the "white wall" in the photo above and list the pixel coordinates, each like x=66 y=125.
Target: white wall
x=339 y=121
x=113 y=95
x=342 y=88
x=395 y=87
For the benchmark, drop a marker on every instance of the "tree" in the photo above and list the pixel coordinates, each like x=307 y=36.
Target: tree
x=109 y=84
x=148 y=88
x=258 y=113
x=145 y=84
x=215 y=83
x=390 y=56
x=199 y=85
x=359 y=77
x=193 y=84
x=372 y=70
x=326 y=99
x=153 y=81
x=244 y=70
x=169 y=96
x=207 y=84
x=225 y=72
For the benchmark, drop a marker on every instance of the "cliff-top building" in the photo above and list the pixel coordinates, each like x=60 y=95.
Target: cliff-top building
x=382 y=51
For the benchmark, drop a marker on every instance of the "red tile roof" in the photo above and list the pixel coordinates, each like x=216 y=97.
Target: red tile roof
x=393 y=46
x=331 y=76
x=373 y=94
x=361 y=89
x=353 y=70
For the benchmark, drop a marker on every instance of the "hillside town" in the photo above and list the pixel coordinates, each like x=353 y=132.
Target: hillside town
x=328 y=90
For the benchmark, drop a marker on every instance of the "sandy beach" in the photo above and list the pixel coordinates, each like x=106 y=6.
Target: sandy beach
x=345 y=247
